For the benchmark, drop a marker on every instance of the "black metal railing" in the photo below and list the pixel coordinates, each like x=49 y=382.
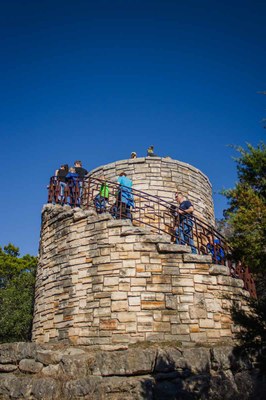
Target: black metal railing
x=159 y=215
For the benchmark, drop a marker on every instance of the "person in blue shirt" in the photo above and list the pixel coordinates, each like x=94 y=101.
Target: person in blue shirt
x=72 y=180
x=124 y=197
x=184 y=222
x=215 y=248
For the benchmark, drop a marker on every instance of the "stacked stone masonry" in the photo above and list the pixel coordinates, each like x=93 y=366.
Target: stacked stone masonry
x=163 y=177
x=157 y=372
x=105 y=282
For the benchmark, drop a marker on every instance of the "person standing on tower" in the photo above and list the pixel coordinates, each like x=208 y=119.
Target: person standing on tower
x=82 y=172
x=184 y=222
x=150 y=152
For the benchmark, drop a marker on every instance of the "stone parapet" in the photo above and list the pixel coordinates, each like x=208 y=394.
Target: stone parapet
x=104 y=282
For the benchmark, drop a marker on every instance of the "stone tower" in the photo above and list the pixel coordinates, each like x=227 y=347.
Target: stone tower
x=105 y=282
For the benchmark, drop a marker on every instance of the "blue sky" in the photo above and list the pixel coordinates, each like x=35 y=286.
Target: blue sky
x=95 y=80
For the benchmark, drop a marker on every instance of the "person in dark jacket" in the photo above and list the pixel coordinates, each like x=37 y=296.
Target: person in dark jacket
x=82 y=172
x=61 y=178
x=184 y=222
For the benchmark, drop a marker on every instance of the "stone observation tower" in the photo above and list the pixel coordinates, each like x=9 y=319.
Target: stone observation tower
x=104 y=282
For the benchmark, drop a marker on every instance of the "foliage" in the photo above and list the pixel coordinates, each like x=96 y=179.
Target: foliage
x=253 y=328
x=246 y=214
x=17 y=280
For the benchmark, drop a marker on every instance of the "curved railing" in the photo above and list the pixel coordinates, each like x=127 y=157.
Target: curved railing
x=152 y=211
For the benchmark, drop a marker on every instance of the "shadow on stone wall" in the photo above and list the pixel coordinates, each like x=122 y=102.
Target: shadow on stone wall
x=217 y=373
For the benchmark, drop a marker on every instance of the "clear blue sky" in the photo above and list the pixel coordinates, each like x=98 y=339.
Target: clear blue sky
x=95 y=80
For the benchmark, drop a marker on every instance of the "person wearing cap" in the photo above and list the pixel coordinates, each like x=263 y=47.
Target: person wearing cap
x=124 y=197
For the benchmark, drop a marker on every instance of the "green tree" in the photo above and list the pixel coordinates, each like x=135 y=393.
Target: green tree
x=17 y=281
x=246 y=214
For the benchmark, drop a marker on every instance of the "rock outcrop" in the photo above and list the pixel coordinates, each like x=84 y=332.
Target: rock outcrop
x=144 y=371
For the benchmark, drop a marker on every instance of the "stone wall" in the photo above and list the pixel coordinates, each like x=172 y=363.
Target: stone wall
x=105 y=282
x=163 y=177
x=44 y=372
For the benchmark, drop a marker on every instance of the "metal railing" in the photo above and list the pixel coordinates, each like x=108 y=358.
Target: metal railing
x=148 y=210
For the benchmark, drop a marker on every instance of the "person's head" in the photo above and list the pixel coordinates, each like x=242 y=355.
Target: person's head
x=64 y=167
x=78 y=163
x=179 y=197
x=123 y=174
x=72 y=169
x=133 y=154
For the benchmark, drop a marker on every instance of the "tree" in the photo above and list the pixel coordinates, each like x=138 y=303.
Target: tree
x=246 y=214
x=17 y=281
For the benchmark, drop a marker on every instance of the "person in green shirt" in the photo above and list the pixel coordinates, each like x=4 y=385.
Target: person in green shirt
x=101 y=200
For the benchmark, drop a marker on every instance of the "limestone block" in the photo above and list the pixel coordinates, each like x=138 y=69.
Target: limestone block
x=120 y=305
x=152 y=305
x=219 y=270
x=188 y=298
x=171 y=270
x=209 y=280
x=182 y=281
x=156 y=268
x=30 y=366
x=8 y=367
x=144 y=246
x=138 y=281
x=118 y=223
x=184 y=315
x=226 y=332
x=126 y=247
x=107 y=268
x=101 y=295
x=206 y=323
x=125 y=316
x=50 y=370
x=162 y=327
x=161 y=279
x=111 y=281
x=127 y=272
x=200 y=288
x=213 y=334
x=105 y=302
x=119 y=295
x=134 y=300
x=171 y=301
x=197 y=258
x=172 y=248
x=124 y=287
x=161 y=288
x=213 y=305
x=108 y=324
x=200 y=337
x=148 y=296
x=133 y=230
x=194 y=328
x=229 y=281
